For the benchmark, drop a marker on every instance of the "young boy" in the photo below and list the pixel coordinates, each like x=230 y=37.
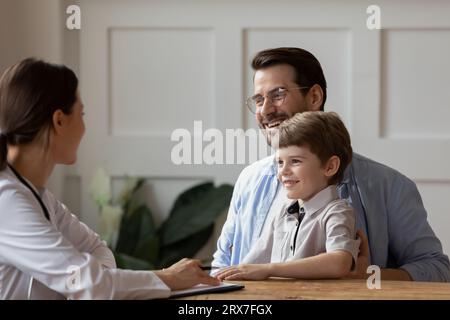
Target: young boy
x=314 y=236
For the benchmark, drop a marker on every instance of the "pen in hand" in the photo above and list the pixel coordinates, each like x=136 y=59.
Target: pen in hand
x=208 y=267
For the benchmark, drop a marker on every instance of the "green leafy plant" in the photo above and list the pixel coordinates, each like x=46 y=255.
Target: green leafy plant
x=136 y=241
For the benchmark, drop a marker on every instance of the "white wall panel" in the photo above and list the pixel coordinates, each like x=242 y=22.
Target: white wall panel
x=415 y=83
x=72 y=194
x=161 y=79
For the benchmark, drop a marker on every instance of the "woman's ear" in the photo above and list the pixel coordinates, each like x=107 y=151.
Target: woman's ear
x=332 y=166
x=58 y=121
x=315 y=97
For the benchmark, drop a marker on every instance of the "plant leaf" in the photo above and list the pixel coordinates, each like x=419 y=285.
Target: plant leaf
x=127 y=197
x=125 y=261
x=185 y=248
x=194 y=210
x=148 y=249
x=135 y=228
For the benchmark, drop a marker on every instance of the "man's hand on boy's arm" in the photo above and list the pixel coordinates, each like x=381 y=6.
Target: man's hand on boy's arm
x=362 y=264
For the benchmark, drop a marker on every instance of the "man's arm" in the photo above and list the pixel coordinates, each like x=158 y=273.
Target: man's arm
x=395 y=274
x=412 y=242
x=362 y=264
x=222 y=256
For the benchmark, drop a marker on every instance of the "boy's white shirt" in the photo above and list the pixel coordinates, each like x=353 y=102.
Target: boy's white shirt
x=328 y=225
x=279 y=203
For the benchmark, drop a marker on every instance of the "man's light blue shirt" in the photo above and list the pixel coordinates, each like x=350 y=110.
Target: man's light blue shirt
x=388 y=208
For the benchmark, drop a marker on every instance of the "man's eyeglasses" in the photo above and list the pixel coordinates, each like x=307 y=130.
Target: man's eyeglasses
x=275 y=96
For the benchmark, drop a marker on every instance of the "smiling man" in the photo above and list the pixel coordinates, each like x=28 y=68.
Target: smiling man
x=389 y=209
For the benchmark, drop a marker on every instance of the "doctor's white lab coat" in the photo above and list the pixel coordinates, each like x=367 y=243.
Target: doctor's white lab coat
x=61 y=258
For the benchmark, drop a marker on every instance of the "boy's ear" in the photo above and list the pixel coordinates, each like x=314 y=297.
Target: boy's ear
x=58 y=120
x=332 y=166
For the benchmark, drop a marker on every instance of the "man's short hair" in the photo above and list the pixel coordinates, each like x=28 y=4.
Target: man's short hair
x=307 y=68
x=323 y=133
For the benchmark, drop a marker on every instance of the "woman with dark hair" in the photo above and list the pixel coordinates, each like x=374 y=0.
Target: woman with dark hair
x=45 y=251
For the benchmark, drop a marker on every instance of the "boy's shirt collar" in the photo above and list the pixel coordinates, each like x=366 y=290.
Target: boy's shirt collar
x=316 y=203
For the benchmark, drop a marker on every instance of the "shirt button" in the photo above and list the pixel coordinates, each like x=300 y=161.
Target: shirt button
x=291 y=247
x=296 y=224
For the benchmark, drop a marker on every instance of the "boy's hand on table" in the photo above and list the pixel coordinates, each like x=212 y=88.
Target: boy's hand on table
x=244 y=272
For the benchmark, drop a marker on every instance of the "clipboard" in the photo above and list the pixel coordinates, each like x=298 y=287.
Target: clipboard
x=204 y=289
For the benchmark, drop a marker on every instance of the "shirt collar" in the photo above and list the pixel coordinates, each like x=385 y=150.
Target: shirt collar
x=347 y=174
x=319 y=201
x=273 y=168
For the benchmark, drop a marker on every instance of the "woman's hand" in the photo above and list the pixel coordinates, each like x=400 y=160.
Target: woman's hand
x=185 y=274
x=245 y=272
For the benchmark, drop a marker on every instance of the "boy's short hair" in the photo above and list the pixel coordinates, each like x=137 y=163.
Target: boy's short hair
x=325 y=135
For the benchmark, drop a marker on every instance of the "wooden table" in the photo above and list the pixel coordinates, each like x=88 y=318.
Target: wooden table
x=289 y=289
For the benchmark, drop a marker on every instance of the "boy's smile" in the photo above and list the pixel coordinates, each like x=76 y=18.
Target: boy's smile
x=301 y=172
x=289 y=183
